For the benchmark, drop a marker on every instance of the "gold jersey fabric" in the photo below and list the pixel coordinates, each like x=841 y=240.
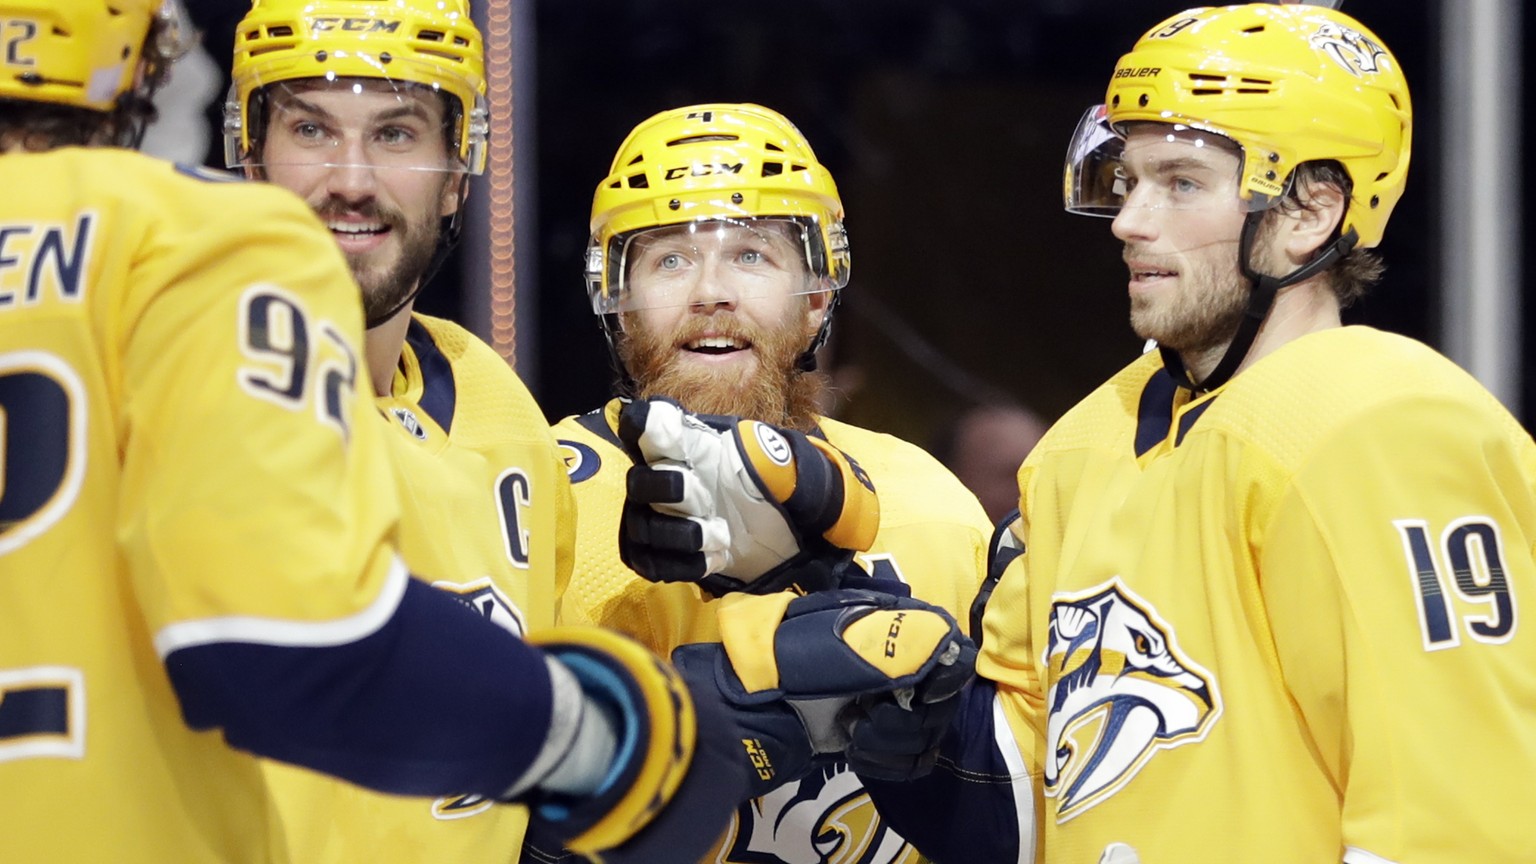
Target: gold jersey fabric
x=155 y=377
x=486 y=513
x=933 y=536
x=1278 y=623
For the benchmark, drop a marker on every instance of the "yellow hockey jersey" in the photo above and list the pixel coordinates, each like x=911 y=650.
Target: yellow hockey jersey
x=486 y=513
x=933 y=536
x=152 y=365
x=1278 y=622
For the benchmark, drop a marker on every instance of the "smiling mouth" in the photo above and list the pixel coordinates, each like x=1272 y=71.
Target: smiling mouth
x=716 y=345
x=358 y=229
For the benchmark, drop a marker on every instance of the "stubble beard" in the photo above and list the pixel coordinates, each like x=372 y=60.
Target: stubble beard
x=1203 y=316
x=384 y=288
x=775 y=391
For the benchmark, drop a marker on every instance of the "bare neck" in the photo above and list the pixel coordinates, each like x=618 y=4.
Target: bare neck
x=384 y=344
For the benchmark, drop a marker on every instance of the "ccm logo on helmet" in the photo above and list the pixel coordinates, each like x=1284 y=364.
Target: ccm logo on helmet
x=703 y=170
x=1138 y=72
x=354 y=25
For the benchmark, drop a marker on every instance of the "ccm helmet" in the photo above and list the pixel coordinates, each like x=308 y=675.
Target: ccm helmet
x=431 y=43
x=731 y=162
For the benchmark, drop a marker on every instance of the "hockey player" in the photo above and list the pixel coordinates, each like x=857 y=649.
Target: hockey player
x=1269 y=606
x=717 y=256
x=198 y=520
x=375 y=114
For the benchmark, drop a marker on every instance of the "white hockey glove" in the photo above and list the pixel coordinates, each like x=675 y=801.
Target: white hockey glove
x=738 y=505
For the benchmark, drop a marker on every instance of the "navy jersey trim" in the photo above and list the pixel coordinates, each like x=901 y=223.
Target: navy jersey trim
x=1154 y=413
x=439 y=394
x=1187 y=422
x=596 y=422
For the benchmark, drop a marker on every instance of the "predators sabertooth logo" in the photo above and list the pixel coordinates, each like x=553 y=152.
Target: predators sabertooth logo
x=1121 y=690
x=827 y=818
x=1350 y=49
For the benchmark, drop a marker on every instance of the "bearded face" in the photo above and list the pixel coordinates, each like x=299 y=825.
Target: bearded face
x=724 y=363
x=720 y=317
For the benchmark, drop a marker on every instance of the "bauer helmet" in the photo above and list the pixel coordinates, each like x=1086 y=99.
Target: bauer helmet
x=1288 y=84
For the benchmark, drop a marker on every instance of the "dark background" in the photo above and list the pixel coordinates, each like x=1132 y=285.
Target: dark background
x=944 y=123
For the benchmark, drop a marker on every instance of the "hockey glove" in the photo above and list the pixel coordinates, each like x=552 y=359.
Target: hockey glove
x=669 y=779
x=803 y=675
x=738 y=505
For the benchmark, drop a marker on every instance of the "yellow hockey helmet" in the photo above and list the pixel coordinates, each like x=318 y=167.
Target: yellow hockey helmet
x=1287 y=83
x=432 y=43
x=86 y=53
x=719 y=161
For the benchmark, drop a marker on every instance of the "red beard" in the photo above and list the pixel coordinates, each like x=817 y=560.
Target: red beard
x=776 y=391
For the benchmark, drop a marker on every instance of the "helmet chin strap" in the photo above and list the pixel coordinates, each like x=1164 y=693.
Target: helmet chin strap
x=806 y=362
x=1261 y=299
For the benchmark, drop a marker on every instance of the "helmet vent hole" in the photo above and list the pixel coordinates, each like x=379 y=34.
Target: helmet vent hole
x=430 y=35
x=272 y=32
x=1257 y=28
x=773 y=169
x=460 y=40
x=769 y=145
x=638 y=181
x=1144 y=100
x=617 y=184
x=699 y=139
x=1375 y=201
x=638 y=159
x=797 y=167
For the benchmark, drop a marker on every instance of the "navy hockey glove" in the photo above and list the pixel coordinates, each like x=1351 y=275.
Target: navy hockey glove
x=738 y=505
x=669 y=779
x=803 y=675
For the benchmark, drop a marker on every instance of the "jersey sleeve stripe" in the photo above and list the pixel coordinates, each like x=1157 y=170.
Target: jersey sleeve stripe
x=274 y=631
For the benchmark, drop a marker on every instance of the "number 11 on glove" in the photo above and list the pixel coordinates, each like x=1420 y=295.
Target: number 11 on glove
x=738 y=505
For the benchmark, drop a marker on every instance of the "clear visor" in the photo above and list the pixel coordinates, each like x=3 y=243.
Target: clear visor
x=353 y=122
x=1153 y=165
x=714 y=260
